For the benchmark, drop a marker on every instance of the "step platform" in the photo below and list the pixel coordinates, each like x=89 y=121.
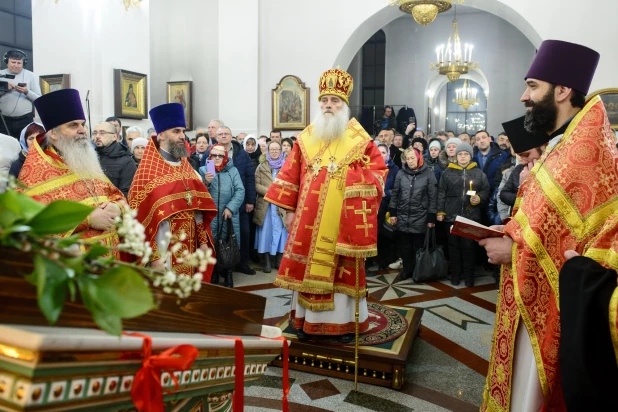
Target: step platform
x=381 y=363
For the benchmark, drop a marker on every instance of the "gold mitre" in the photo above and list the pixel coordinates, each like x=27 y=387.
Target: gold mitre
x=336 y=82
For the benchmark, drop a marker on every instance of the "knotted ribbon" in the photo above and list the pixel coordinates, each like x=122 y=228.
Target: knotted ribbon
x=147 y=392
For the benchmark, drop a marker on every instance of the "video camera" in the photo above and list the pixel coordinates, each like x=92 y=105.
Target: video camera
x=4 y=86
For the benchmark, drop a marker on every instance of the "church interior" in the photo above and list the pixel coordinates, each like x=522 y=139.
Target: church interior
x=227 y=60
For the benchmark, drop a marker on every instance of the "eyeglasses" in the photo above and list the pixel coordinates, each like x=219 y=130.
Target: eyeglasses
x=217 y=156
x=101 y=132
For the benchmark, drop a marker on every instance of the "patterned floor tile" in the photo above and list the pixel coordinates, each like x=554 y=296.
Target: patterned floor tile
x=320 y=389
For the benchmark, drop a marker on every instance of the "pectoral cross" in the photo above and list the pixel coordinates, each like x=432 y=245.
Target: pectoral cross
x=189 y=197
x=332 y=166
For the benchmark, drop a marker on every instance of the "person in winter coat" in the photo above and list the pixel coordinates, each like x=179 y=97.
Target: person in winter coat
x=138 y=147
x=271 y=234
x=27 y=136
x=386 y=249
x=228 y=193
x=488 y=157
x=116 y=160
x=244 y=165
x=252 y=148
x=447 y=156
x=454 y=201
x=413 y=207
x=432 y=159
x=201 y=146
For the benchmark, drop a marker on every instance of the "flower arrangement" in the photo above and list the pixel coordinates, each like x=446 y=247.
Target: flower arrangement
x=67 y=267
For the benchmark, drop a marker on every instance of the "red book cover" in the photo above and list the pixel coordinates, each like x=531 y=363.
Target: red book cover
x=473 y=230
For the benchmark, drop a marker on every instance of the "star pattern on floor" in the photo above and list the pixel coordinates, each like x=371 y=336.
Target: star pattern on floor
x=388 y=286
x=454 y=316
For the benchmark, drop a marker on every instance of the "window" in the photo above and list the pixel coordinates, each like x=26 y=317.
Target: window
x=16 y=28
x=374 y=59
x=460 y=120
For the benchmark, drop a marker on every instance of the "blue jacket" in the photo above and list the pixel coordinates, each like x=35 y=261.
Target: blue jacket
x=228 y=192
x=492 y=164
x=245 y=169
x=388 y=186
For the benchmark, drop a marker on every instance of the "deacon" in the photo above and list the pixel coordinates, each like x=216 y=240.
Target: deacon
x=63 y=164
x=331 y=185
x=169 y=195
x=564 y=203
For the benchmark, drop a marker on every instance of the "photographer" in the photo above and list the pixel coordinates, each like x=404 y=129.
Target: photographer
x=18 y=93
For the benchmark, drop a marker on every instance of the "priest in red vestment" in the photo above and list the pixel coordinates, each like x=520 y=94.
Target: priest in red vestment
x=169 y=194
x=62 y=164
x=331 y=185
x=567 y=200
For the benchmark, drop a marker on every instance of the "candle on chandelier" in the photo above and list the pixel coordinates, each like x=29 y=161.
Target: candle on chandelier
x=438 y=54
x=466 y=52
x=470 y=57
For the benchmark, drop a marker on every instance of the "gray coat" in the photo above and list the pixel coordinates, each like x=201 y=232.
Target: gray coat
x=414 y=199
x=228 y=192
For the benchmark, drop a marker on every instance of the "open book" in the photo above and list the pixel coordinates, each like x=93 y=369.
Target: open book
x=473 y=230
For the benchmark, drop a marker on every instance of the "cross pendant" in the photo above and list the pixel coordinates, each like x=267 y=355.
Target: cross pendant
x=316 y=167
x=189 y=197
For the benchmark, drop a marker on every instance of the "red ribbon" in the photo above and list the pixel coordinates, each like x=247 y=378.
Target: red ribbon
x=239 y=379
x=286 y=373
x=146 y=392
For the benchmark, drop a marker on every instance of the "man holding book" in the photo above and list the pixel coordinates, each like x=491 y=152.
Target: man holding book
x=563 y=205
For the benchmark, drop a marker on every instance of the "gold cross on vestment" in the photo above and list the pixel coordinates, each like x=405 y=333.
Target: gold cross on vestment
x=318 y=192
x=293 y=159
x=364 y=211
x=282 y=192
x=365 y=226
x=189 y=198
x=312 y=226
x=343 y=270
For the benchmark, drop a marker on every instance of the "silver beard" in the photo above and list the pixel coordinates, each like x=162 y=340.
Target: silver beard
x=331 y=127
x=178 y=150
x=80 y=156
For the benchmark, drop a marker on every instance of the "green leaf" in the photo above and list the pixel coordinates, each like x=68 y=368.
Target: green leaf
x=51 y=280
x=67 y=241
x=123 y=292
x=109 y=323
x=72 y=290
x=9 y=209
x=59 y=217
x=95 y=251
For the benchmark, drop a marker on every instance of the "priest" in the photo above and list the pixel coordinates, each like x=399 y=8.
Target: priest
x=331 y=186
x=563 y=204
x=62 y=164
x=169 y=196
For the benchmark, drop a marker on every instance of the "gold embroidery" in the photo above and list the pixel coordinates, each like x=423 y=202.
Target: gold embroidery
x=327 y=239
x=607 y=256
x=343 y=271
x=324 y=251
x=613 y=328
x=282 y=192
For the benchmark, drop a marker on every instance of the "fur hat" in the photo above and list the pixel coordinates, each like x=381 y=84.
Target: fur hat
x=464 y=147
x=421 y=141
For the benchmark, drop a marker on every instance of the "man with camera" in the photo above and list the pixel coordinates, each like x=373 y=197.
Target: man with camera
x=19 y=88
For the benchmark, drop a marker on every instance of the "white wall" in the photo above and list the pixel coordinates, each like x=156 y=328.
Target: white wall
x=184 y=43
x=88 y=40
x=504 y=55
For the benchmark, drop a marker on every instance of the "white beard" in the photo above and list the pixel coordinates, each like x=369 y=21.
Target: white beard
x=330 y=127
x=80 y=156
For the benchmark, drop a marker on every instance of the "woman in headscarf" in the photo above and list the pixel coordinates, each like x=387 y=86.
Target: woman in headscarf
x=138 y=146
x=250 y=145
x=271 y=235
x=27 y=136
x=228 y=193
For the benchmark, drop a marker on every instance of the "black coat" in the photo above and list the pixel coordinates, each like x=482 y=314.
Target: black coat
x=118 y=165
x=454 y=184
x=413 y=199
x=17 y=164
x=508 y=194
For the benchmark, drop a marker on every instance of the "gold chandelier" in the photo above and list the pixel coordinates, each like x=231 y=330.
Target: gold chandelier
x=451 y=62
x=424 y=11
x=466 y=96
x=129 y=3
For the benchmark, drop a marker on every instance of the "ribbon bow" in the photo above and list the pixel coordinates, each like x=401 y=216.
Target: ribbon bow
x=146 y=392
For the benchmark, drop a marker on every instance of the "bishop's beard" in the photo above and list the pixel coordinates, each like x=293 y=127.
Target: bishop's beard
x=330 y=127
x=541 y=120
x=178 y=150
x=79 y=155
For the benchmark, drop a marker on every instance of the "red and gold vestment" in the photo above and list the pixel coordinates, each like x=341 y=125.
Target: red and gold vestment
x=162 y=191
x=568 y=199
x=335 y=191
x=48 y=179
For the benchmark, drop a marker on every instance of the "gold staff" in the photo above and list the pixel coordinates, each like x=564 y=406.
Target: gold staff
x=356 y=317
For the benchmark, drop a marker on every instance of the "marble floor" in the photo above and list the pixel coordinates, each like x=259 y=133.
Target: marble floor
x=447 y=366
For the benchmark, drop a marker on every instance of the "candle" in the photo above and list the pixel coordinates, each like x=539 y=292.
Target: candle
x=438 y=54
x=470 y=185
x=470 y=58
